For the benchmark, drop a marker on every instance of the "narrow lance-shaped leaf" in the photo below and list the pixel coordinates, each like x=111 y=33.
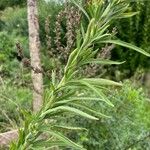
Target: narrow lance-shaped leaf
x=48 y=143
x=102 y=62
x=89 y=110
x=68 y=128
x=63 y=138
x=70 y=109
x=98 y=92
x=128 y=45
x=129 y=14
x=71 y=99
x=81 y=8
x=87 y=37
x=100 y=81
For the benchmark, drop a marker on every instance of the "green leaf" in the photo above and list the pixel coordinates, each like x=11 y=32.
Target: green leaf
x=101 y=37
x=129 y=14
x=102 y=62
x=98 y=92
x=66 y=96
x=100 y=81
x=78 y=39
x=21 y=136
x=89 y=110
x=68 y=128
x=87 y=37
x=54 y=77
x=70 y=109
x=102 y=29
x=82 y=31
x=71 y=99
x=13 y=146
x=71 y=58
x=128 y=45
x=107 y=10
x=48 y=143
x=63 y=138
x=82 y=9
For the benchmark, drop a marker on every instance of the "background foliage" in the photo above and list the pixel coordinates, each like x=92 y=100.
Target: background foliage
x=135 y=30
x=129 y=122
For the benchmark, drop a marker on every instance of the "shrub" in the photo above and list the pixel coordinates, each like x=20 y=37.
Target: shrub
x=128 y=127
x=135 y=30
x=8 y=3
x=15 y=20
x=11 y=99
x=8 y=54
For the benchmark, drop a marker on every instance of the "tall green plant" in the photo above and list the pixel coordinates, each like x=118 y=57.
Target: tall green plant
x=128 y=127
x=65 y=96
x=7 y=3
x=135 y=30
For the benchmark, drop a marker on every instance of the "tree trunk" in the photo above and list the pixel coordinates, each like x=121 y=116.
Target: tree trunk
x=34 y=46
x=37 y=77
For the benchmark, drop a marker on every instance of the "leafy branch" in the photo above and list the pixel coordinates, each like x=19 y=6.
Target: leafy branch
x=66 y=95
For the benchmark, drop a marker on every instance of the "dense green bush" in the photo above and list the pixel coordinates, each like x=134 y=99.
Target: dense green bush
x=128 y=126
x=9 y=64
x=10 y=3
x=11 y=99
x=6 y=46
x=15 y=20
x=135 y=30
